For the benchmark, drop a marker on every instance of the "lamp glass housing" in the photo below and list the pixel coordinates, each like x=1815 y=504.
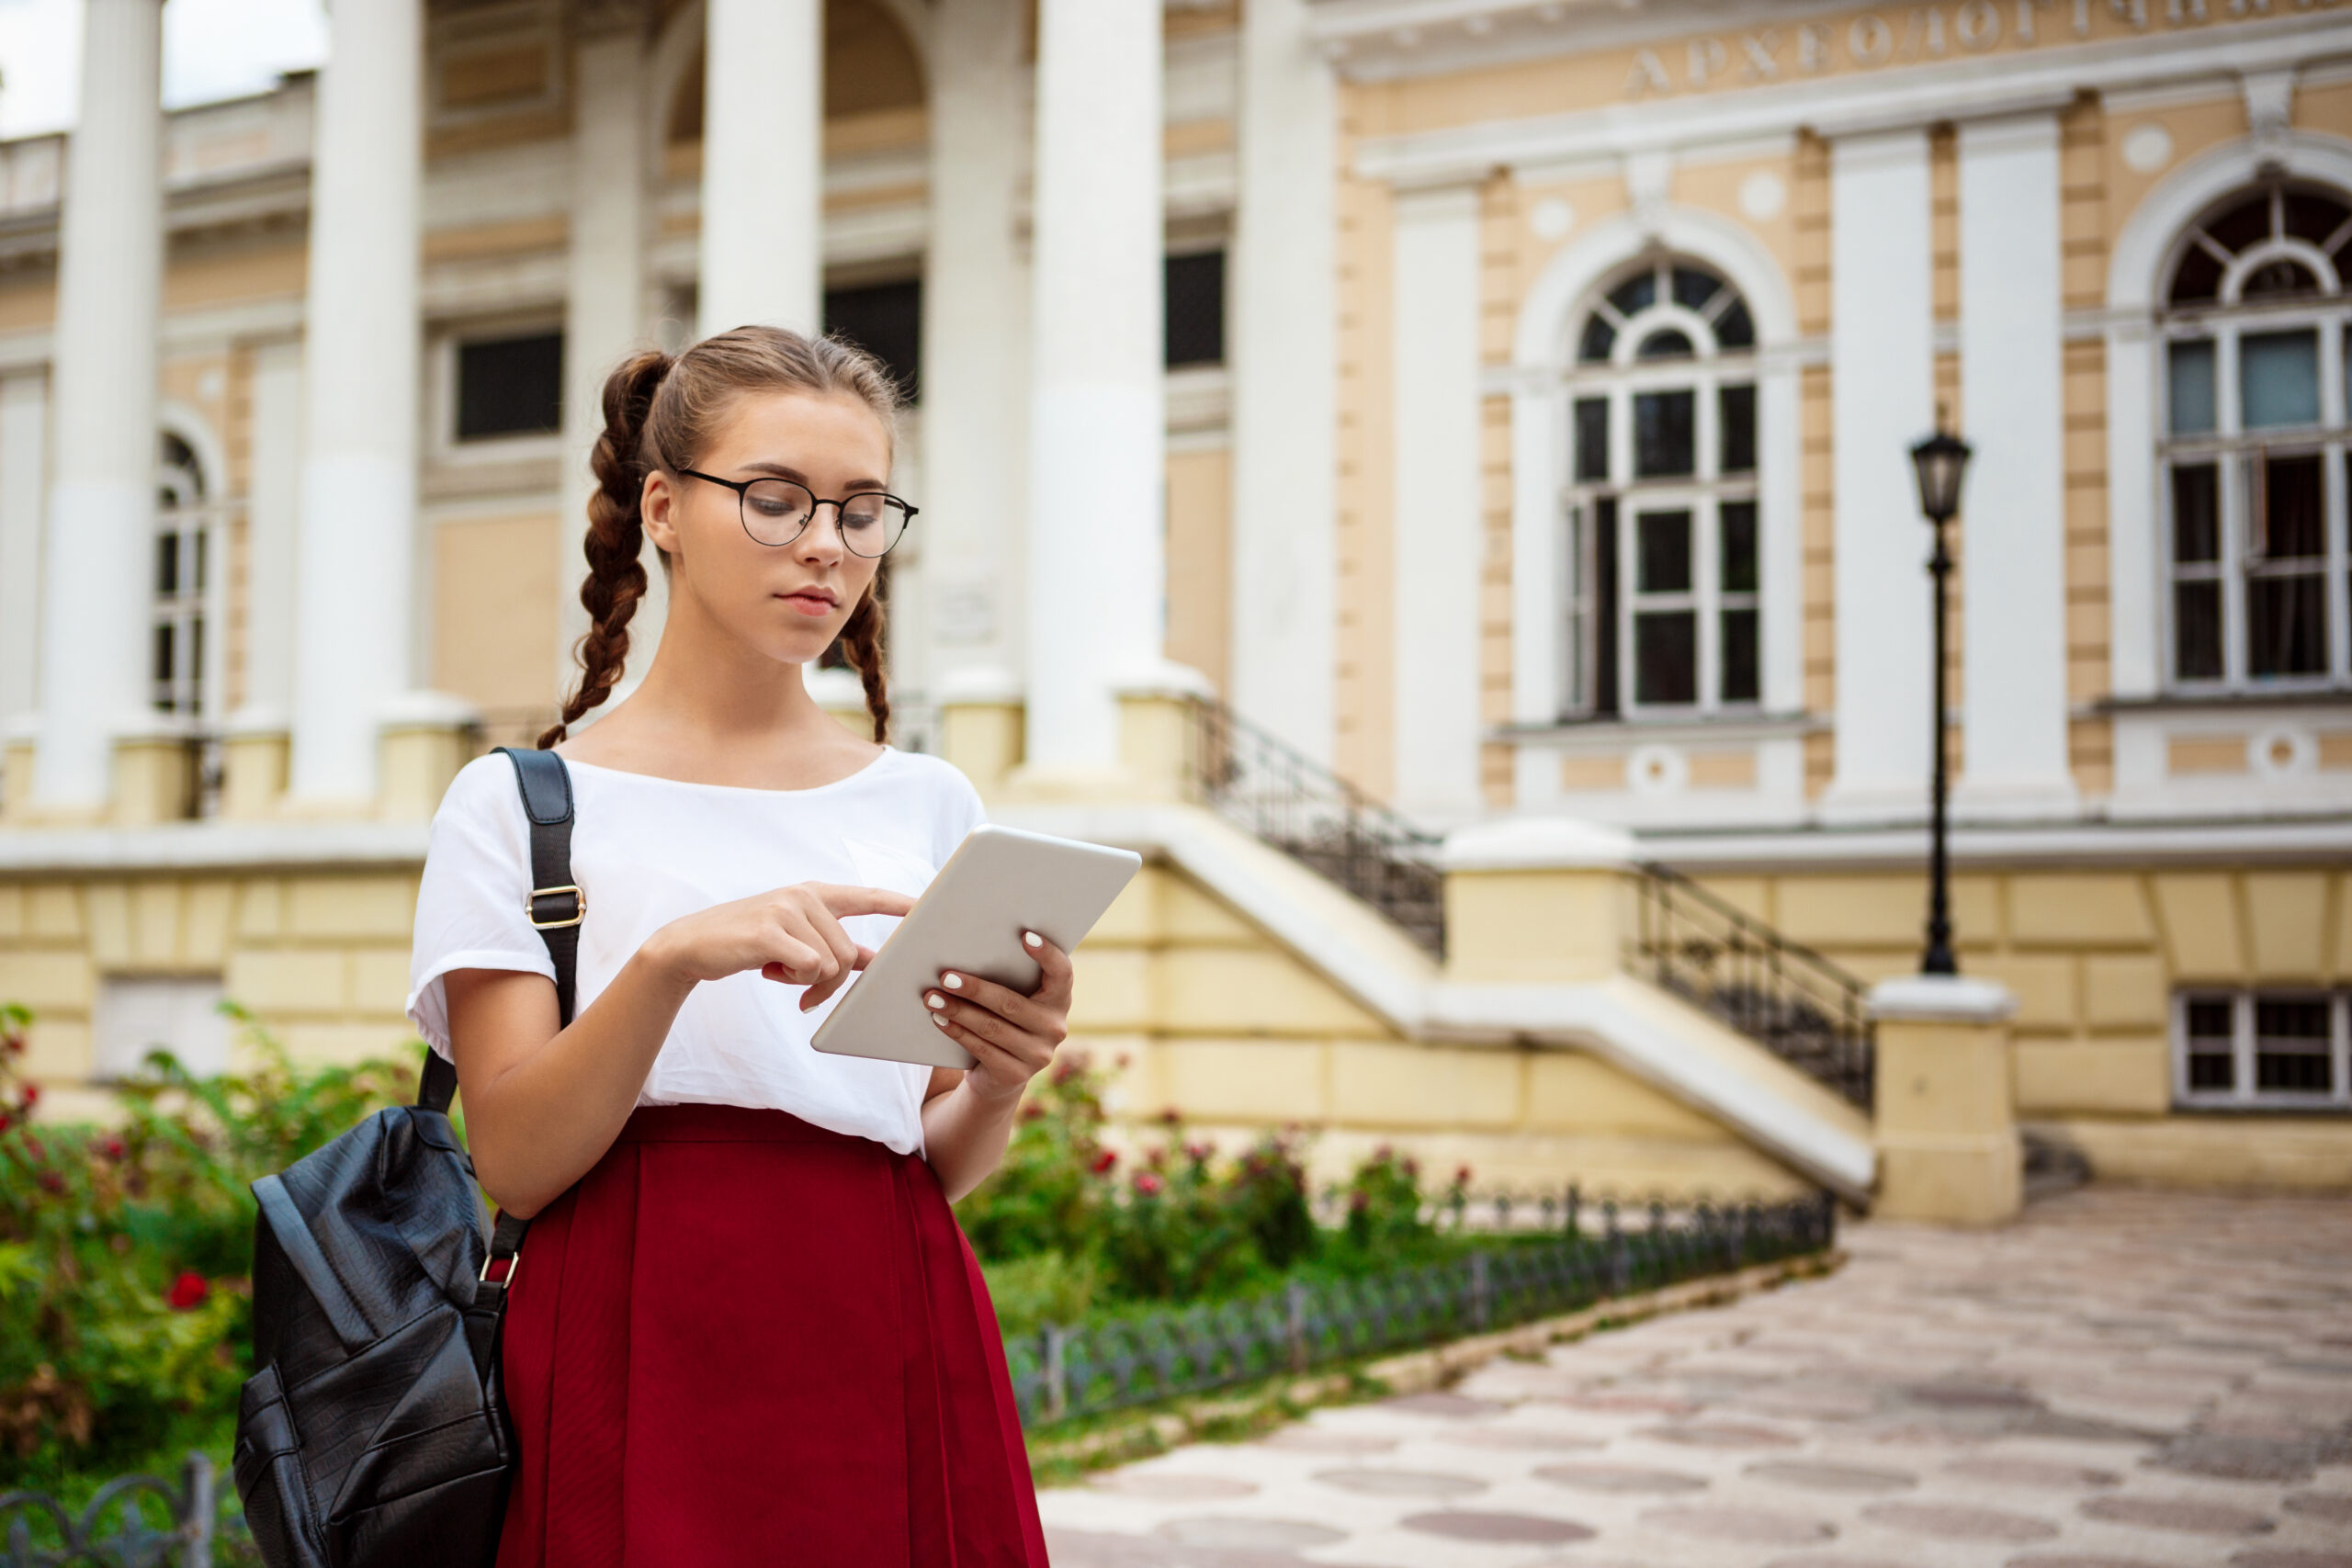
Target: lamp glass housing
x=1941 y=462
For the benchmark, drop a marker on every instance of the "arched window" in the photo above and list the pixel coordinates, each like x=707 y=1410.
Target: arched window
x=2253 y=452
x=183 y=573
x=1662 y=543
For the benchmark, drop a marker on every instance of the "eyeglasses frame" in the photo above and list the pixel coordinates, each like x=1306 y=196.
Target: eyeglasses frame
x=742 y=488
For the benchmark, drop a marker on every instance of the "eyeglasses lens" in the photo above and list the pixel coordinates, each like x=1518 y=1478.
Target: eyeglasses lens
x=775 y=511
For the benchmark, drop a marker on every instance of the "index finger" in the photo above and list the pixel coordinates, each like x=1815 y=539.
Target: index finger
x=842 y=901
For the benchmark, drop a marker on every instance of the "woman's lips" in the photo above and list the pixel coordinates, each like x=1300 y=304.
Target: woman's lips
x=810 y=603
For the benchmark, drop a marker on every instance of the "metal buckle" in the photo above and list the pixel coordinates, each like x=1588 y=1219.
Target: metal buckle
x=579 y=907
x=514 y=1265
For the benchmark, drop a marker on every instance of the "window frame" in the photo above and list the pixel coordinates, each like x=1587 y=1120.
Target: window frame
x=2233 y=451
x=2243 y=1093
x=443 y=446
x=1703 y=493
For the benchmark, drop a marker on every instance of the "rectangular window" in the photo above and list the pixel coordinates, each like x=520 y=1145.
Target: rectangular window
x=510 y=386
x=2252 y=1050
x=1737 y=583
x=1666 y=437
x=2286 y=590
x=2197 y=572
x=2194 y=408
x=1592 y=440
x=1196 y=308
x=1605 y=665
x=1665 y=624
x=885 y=320
x=2279 y=379
x=1738 y=408
x=138 y=1013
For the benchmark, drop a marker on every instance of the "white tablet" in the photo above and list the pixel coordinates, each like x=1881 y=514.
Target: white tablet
x=998 y=882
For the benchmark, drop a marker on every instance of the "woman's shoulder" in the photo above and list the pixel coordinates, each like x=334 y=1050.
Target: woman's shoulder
x=483 y=787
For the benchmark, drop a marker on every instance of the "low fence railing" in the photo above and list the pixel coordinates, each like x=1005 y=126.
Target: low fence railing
x=1290 y=801
x=201 y=1525
x=1060 y=1372
x=1795 y=1003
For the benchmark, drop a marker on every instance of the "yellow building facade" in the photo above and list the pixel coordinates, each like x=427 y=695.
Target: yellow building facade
x=1528 y=400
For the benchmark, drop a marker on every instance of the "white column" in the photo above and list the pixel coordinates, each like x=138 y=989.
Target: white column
x=1097 y=605
x=2013 y=515
x=99 y=560
x=1285 y=490
x=763 y=165
x=273 y=523
x=975 y=348
x=1437 y=531
x=603 y=302
x=24 y=489
x=1882 y=367
x=354 y=612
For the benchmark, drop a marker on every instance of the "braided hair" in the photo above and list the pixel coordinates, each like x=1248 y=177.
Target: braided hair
x=659 y=411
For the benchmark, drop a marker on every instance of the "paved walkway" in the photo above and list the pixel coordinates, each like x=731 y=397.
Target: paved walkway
x=2123 y=1378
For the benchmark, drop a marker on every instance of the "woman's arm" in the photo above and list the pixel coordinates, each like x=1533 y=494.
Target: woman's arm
x=968 y=1116
x=543 y=1103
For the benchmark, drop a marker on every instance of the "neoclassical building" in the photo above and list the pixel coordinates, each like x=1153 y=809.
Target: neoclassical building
x=1502 y=407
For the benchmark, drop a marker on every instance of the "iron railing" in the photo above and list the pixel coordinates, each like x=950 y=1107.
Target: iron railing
x=1060 y=1372
x=1320 y=819
x=1787 y=998
x=201 y=1525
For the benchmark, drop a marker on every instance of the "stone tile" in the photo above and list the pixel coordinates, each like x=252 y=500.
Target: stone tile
x=1248 y=1534
x=1401 y=1482
x=1525 y=1529
x=1757 y=1526
x=1520 y=1440
x=1451 y=1406
x=1722 y=1435
x=1322 y=1440
x=2176 y=1514
x=1166 y=1486
x=2332 y=1507
x=1954 y=1521
x=1831 y=1477
x=2037 y=1474
x=1620 y=1478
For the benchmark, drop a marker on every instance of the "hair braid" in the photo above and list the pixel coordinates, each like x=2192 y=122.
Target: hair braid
x=861 y=643
x=616 y=581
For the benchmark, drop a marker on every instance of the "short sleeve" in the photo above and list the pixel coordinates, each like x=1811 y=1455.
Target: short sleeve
x=958 y=812
x=470 y=910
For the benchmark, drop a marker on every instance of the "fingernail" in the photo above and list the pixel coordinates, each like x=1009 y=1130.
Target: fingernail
x=933 y=999
x=939 y=1019
x=1033 y=939
x=954 y=982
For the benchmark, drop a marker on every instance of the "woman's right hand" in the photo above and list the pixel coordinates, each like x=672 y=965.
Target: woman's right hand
x=792 y=935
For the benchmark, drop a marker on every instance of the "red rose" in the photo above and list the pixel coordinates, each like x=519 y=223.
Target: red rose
x=51 y=1181
x=1148 y=1184
x=32 y=1096
x=114 y=1148
x=1462 y=1177
x=1104 y=1161
x=7 y=1120
x=188 y=1291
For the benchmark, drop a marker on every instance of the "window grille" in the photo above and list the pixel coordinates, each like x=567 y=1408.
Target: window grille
x=2283 y=1049
x=510 y=386
x=1661 y=606
x=885 y=320
x=2256 y=325
x=1195 y=290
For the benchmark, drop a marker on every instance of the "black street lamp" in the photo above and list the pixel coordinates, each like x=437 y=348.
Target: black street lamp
x=1940 y=461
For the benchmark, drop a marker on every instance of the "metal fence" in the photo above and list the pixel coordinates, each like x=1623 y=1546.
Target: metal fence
x=1798 y=1005
x=1060 y=1372
x=1320 y=819
x=133 y=1521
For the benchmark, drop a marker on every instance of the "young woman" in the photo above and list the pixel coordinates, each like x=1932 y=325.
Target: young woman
x=744 y=1327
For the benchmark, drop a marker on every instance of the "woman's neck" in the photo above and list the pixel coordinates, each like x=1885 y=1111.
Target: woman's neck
x=712 y=709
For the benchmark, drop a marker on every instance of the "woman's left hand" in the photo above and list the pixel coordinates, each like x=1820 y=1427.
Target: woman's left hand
x=1011 y=1037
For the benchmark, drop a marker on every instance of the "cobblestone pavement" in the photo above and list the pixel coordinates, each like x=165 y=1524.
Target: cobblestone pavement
x=2123 y=1379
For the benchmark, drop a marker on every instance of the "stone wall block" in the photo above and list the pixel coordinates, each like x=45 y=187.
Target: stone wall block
x=2075 y=909
x=1190 y=915
x=110 y=935
x=1569 y=1091
x=2122 y=990
x=1112 y=989
x=2200 y=911
x=2287 y=918
x=1382 y=1085
x=261 y=907
x=57 y=1051
x=1236 y=991
x=291 y=981
x=12 y=914
x=352 y=906
x=1133 y=916
x=350 y=1042
x=156 y=923
x=380 y=979
x=206 y=919
x=47 y=981
x=2123 y=1078
x=2042 y=983
x=53 y=911
x=1256 y=1082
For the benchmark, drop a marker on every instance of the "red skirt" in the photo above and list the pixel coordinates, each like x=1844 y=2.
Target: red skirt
x=743 y=1339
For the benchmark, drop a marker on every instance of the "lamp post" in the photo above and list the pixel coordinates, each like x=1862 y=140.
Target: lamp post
x=1940 y=461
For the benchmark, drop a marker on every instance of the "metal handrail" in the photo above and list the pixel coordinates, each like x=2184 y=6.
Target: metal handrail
x=1798 y=1005
x=1301 y=807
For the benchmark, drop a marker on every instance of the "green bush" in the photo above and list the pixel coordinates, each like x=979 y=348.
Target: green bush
x=125 y=1306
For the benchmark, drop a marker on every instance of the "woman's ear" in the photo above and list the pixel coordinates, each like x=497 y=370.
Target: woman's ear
x=654 y=506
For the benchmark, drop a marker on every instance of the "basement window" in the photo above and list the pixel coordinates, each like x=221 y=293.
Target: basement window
x=510 y=386
x=2270 y=1050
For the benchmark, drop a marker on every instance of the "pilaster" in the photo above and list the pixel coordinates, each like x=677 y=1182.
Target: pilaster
x=763 y=165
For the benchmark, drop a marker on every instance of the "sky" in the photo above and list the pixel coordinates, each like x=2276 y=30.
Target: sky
x=212 y=49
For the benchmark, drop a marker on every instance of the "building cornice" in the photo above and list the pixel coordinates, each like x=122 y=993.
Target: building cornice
x=1984 y=86
x=2310 y=841
x=213 y=846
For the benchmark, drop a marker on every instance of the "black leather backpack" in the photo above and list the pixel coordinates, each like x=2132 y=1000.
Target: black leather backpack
x=373 y=1432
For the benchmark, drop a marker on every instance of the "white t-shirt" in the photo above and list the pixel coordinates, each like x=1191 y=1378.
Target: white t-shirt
x=647 y=850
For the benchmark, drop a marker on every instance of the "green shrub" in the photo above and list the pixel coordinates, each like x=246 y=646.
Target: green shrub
x=125 y=1306
x=1043 y=1288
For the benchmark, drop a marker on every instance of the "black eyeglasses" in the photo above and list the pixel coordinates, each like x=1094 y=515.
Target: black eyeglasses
x=777 y=511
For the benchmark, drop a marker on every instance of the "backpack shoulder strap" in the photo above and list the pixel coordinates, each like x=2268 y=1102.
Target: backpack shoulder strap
x=556 y=904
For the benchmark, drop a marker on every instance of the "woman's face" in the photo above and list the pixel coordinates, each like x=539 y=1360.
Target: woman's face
x=788 y=601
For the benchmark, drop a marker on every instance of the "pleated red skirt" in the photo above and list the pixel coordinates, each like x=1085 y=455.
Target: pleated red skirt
x=742 y=1339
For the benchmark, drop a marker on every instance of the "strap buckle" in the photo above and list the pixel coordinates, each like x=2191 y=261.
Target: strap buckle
x=514 y=1261
x=579 y=907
